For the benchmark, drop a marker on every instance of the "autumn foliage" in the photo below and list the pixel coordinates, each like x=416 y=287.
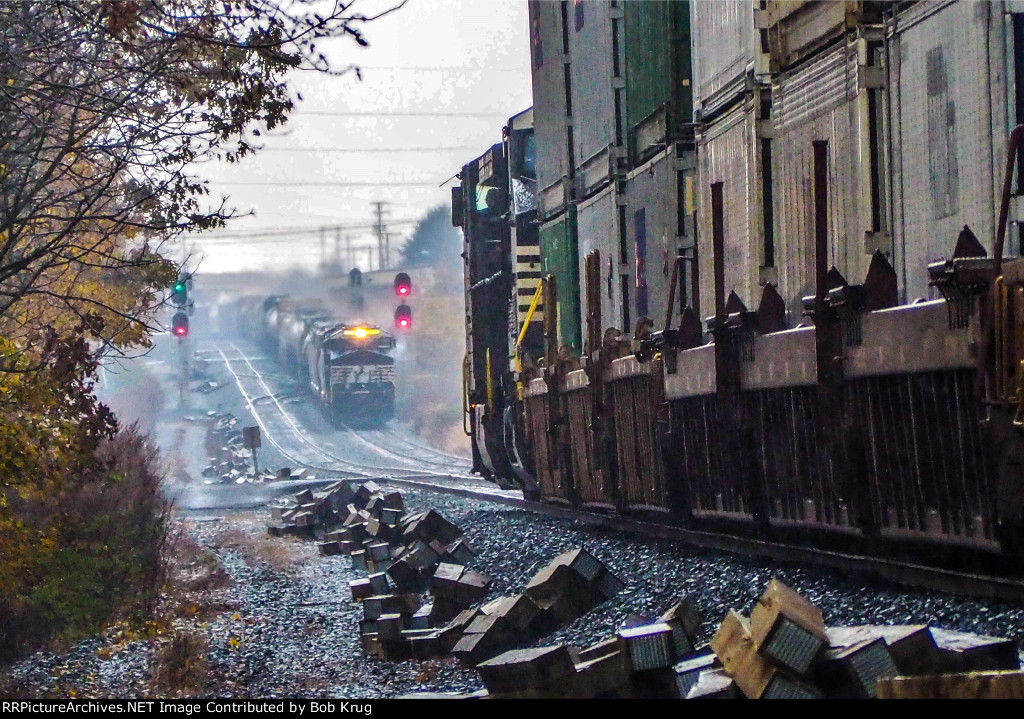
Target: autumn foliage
x=108 y=107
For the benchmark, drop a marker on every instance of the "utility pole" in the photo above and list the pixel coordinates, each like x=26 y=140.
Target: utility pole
x=323 y=247
x=381 y=231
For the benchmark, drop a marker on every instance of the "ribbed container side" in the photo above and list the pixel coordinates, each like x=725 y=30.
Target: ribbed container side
x=725 y=43
x=948 y=93
x=797 y=29
x=559 y=258
x=727 y=153
x=821 y=101
x=597 y=220
x=658 y=71
x=591 y=69
x=651 y=223
x=549 y=109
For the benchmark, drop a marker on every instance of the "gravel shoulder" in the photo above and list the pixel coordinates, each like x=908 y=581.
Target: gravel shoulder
x=275 y=619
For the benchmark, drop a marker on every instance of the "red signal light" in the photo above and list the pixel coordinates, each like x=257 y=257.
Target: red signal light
x=403 y=317
x=403 y=284
x=179 y=325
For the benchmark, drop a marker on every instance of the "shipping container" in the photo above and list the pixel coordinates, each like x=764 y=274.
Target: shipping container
x=549 y=63
x=597 y=221
x=726 y=46
x=654 y=193
x=950 y=115
x=827 y=99
x=559 y=257
x=797 y=29
x=728 y=152
x=659 y=90
x=592 y=72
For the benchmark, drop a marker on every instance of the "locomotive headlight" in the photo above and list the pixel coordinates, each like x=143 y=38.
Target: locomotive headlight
x=360 y=333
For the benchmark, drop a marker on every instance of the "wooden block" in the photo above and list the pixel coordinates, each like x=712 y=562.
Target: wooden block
x=524 y=668
x=389 y=627
x=560 y=580
x=379 y=551
x=445 y=581
x=599 y=675
x=544 y=622
x=370 y=643
x=853 y=671
x=430 y=526
x=687 y=673
x=582 y=562
x=361 y=589
x=404 y=576
x=421 y=618
x=376 y=606
x=460 y=552
x=379 y=582
x=443 y=611
x=472 y=587
x=648 y=647
x=787 y=628
x=425 y=646
x=911 y=647
x=685 y=623
x=713 y=684
x=970 y=685
x=390 y=517
x=519 y=610
x=452 y=632
x=962 y=652
x=734 y=646
x=472 y=649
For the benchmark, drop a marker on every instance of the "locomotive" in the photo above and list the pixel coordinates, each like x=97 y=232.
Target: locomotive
x=347 y=366
x=871 y=398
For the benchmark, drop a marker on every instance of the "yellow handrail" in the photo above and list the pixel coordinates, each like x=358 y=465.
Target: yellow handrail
x=522 y=333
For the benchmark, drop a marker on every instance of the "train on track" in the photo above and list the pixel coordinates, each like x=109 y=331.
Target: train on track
x=851 y=170
x=348 y=366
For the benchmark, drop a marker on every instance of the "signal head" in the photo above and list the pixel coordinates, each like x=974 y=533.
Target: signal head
x=179 y=325
x=403 y=285
x=179 y=292
x=403 y=317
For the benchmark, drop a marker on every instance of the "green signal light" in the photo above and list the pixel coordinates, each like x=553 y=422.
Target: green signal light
x=179 y=287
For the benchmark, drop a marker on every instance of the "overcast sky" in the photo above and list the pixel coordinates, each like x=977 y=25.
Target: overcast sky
x=464 y=64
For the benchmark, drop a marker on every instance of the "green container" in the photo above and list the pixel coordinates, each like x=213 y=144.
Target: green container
x=559 y=256
x=658 y=69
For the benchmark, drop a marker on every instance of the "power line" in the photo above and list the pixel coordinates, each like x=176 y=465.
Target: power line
x=271 y=233
x=289 y=183
x=367 y=149
x=276 y=232
x=396 y=113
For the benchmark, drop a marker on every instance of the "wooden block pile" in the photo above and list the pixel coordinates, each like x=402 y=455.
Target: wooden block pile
x=566 y=589
x=308 y=513
x=783 y=650
x=637 y=662
x=570 y=586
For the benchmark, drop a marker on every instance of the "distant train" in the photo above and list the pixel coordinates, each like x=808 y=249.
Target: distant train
x=347 y=366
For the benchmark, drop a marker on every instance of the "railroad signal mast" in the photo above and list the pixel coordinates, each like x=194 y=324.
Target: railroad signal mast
x=403 y=313
x=179 y=327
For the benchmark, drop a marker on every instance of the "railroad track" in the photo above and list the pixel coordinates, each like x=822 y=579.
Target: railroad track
x=428 y=469
x=381 y=460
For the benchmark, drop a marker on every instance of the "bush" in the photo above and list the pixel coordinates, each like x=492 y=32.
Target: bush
x=90 y=551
